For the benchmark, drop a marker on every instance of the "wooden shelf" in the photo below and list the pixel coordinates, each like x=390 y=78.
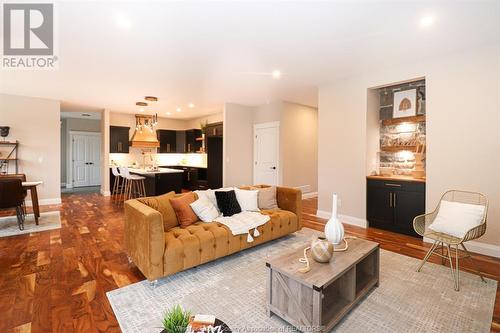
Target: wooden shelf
x=199 y=139
x=398 y=148
x=9 y=143
x=395 y=121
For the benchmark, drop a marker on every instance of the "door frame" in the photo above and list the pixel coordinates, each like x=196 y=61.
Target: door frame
x=69 y=156
x=272 y=124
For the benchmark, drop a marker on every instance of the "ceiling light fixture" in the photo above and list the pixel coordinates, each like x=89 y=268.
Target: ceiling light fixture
x=191 y=105
x=426 y=21
x=151 y=98
x=276 y=74
x=178 y=109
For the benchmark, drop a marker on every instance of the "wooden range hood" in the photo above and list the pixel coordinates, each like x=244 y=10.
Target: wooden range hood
x=145 y=137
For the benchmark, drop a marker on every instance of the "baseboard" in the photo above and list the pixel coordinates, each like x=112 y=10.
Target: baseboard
x=343 y=218
x=309 y=195
x=53 y=201
x=478 y=247
x=105 y=193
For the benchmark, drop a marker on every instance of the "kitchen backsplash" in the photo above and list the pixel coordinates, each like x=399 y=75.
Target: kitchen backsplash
x=135 y=155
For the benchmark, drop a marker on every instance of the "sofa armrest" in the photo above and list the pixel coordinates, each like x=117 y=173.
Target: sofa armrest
x=290 y=199
x=144 y=238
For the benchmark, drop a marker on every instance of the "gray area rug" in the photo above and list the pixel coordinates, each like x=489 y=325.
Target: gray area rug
x=233 y=289
x=46 y=221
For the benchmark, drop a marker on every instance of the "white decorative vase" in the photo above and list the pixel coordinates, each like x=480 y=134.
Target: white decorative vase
x=334 y=230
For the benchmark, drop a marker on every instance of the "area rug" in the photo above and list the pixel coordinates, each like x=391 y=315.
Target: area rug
x=233 y=289
x=46 y=221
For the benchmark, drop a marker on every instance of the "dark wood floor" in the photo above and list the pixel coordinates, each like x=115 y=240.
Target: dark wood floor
x=56 y=281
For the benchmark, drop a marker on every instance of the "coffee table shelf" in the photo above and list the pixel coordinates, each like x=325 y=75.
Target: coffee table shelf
x=324 y=295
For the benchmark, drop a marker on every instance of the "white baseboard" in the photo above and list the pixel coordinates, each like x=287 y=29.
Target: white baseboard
x=105 y=193
x=53 y=201
x=478 y=247
x=309 y=195
x=343 y=218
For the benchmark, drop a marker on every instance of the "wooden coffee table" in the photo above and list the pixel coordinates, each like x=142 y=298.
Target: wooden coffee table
x=320 y=298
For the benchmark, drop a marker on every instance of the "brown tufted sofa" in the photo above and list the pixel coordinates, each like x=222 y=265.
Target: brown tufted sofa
x=158 y=252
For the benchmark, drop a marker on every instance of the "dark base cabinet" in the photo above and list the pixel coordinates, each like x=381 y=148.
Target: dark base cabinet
x=392 y=205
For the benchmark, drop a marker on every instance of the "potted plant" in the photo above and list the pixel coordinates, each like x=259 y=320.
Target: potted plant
x=176 y=320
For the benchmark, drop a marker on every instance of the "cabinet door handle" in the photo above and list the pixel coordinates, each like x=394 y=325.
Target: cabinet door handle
x=189 y=147
x=119 y=147
x=168 y=147
x=394 y=199
x=390 y=199
x=214 y=131
x=393 y=185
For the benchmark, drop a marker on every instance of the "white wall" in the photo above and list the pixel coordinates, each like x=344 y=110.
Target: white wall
x=213 y=118
x=463 y=136
x=35 y=123
x=238 y=145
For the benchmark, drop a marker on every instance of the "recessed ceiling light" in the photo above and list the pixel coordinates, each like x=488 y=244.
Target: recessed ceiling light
x=178 y=109
x=191 y=105
x=168 y=113
x=122 y=21
x=141 y=110
x=426 y=21
x=276 y=74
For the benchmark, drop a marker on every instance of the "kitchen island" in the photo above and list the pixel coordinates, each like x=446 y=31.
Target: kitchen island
x=159 y=181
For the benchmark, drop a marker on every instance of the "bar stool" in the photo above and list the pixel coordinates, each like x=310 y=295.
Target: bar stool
x=134 y=185
x=117 y=188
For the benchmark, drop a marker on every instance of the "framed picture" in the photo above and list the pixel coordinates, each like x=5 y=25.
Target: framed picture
x=405 y=103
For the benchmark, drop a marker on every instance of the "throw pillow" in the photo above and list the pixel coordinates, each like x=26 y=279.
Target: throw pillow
x=162 y=204
x=267 y=198
x=455 y=218
x=183 y=210
x=248 y=199
x=205 y=209
x=210 y=195
x=227 y=202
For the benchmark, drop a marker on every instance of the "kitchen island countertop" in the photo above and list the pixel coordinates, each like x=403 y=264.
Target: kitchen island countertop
x=145 y=172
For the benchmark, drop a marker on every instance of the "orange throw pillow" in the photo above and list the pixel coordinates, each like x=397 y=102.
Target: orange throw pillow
x=183 y=211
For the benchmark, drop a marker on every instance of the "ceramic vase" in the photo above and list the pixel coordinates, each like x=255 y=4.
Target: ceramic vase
x=321 y=249
x=334 y=230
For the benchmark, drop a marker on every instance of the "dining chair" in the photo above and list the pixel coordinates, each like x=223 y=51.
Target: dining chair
x=12 y=195
x=134 y=184
x=22 y=177
x=443 y=240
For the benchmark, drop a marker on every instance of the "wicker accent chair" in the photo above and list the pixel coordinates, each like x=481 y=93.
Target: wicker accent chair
x=442 y=240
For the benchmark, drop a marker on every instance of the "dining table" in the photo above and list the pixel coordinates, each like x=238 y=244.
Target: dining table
x=31 y=186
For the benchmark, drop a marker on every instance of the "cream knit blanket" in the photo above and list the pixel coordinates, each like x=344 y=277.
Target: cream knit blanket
x=244 y=222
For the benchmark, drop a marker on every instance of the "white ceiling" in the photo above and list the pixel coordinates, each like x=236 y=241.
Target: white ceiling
x=112 y=53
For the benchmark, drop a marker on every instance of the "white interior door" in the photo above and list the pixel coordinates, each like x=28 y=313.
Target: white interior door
x=86 y=159
x=266 y=154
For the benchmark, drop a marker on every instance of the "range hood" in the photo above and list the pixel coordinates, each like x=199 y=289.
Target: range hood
x=144 y=135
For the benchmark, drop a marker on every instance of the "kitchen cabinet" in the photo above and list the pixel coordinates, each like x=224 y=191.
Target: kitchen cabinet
x=118 y=139
x=192 y=144
x=168 y=141
x=193 y=178
x=392 y=205
x=214 y=129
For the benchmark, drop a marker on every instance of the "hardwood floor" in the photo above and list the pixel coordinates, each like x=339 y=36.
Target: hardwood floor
x=56 y=281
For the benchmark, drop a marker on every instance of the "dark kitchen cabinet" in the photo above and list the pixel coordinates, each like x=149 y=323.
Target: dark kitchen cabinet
x=392 y=205
x=193 y=142
x=180 y=141
x=118 y=139
x=168 y=139
x=214 y=129
x=214 y=162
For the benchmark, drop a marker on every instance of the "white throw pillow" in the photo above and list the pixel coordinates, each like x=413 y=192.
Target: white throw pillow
x=455 y=218
x=248 y=199
x=204 y=209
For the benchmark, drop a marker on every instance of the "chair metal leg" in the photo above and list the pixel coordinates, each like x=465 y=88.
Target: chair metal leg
x=474 y=264
x=20 y=217
x=451 y=267
x=427 y=255
x=442 y=254
x=457 y=269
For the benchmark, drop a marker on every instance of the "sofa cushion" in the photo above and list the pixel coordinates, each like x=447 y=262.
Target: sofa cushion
x=227 y=202
x=183 y=211
x=162 y=204
x=205 y=209
x=248 y=199
x=267 y=197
